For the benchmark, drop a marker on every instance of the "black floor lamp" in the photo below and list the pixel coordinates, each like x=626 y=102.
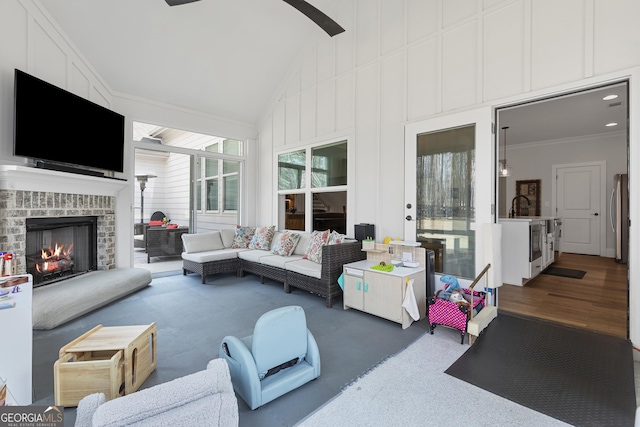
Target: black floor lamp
x=142 y=179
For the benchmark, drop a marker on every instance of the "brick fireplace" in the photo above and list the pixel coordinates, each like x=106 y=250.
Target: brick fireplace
x=18 y=205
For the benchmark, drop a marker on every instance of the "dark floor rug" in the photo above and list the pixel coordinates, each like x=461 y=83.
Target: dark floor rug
x=579 y=377
x=565 y=272
x=193 y=318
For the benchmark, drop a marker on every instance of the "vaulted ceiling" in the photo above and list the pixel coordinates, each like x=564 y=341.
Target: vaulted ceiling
x=221 y=57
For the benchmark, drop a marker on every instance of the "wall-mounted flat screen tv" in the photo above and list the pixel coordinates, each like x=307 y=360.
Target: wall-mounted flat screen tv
x=57 y=126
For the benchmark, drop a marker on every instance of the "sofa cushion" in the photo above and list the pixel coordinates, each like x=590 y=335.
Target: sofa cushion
x=227 y=235
x=278 y=261
x=314 y=250
x=253 y=255
x=200 y=242
x=306 y=267
x=303 y=243
x=242 y=237
x=262 y=238
x=208 y=256
x=335 y=238
x=285 y=243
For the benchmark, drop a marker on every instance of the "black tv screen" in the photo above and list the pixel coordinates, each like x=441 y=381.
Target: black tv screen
x=54 y=125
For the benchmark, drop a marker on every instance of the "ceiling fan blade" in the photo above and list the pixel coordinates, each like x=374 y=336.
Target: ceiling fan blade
x=327 y=24
x=179 y=2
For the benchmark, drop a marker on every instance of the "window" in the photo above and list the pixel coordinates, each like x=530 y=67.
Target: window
x=217 y=179
x=445 y=173
x=325 y=206
x=291 y=170
x=329 y=164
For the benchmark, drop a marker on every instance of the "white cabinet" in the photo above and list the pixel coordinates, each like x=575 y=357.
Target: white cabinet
x=518 y=243
x=382 y=294
x=17 y=340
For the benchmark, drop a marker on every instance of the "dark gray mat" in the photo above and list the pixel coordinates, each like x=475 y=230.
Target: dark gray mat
x=579 y=377
x=193 y=318
x=565 y=272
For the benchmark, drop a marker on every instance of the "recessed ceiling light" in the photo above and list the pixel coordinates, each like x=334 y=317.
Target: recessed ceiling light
x=609 y=97
x=611 y=124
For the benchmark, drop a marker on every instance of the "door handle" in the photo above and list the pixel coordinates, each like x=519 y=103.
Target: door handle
x=595 y=214
x=358 y=285
x=409 y=218
x=366 y=287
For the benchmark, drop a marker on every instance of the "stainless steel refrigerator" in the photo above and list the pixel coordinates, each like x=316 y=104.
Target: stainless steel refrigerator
x=619 y=214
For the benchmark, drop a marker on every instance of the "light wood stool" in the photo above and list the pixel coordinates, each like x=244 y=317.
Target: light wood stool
x=113 y=360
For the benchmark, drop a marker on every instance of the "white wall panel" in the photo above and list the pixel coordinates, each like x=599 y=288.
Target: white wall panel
x=13 y=54
x=422 y=80
x=615 y=48
x=325 y=112
x=293 y=88
x=278 y=123
x=308 y=71
x=367 y=33
x=326 y=59
x=345 y=42
x=392 y=115
x=368 y=146
x=80 y=84
x=558 y=42
x=456 y=11
x=49 y=60
x=265 y=160
x=488 y=4
x=292 y=120
x=459 y=67
x=98 y=97
x=345 y=108
x=503 y=51
x=422 y=19
x=308 y=114
x=391 y=25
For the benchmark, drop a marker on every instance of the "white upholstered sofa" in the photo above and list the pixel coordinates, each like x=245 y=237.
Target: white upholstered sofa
x=215 y=252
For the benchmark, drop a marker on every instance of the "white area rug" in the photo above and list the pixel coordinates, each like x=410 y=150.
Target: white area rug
x=60 y=302
x=411 y=389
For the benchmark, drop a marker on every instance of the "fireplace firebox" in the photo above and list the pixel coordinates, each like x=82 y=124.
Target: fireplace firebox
x=60 y=248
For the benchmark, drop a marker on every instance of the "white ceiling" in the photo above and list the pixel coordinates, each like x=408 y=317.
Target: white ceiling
x=222 y=57
x=228 y=58
x=568 y=116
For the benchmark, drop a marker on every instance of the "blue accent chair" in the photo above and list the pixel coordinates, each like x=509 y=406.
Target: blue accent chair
x=280 y=356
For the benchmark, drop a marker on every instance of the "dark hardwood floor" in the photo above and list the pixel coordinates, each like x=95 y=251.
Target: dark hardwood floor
x=598 y=302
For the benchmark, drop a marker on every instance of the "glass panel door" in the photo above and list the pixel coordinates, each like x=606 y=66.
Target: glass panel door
x=445 y=192
x=445 y=198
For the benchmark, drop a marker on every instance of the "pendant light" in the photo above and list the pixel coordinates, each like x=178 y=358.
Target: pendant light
x=504 y=168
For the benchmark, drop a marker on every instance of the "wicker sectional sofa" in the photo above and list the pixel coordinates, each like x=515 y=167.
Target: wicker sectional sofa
x=211 y=252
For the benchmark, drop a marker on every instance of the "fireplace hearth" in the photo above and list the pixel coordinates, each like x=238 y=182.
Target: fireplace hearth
x=60 y=248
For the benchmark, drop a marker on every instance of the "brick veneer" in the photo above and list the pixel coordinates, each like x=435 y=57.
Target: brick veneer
x=18 y=205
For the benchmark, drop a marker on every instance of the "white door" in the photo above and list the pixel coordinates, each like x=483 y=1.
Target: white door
x=579 y=204
x=458 y=241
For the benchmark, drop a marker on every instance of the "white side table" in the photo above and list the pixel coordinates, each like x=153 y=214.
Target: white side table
x=17 y=343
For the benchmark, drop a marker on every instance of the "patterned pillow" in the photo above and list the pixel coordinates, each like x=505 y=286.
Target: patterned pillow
x=286 y=243
x=314 y=250
x=262 y=238
x=335 y=238
x=243 y=237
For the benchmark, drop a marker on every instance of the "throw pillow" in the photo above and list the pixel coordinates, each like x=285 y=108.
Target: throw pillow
x=262 y=238
x=243 y=237
x=314 y=250
x=335 y=238
x=286 y=243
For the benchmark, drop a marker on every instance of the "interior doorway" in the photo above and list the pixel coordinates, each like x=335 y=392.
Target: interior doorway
x=559 y=140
